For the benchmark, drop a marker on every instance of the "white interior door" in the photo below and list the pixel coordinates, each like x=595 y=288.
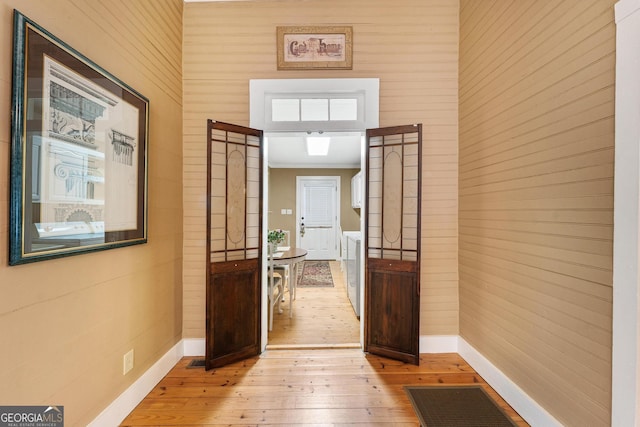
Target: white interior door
x=318 y=200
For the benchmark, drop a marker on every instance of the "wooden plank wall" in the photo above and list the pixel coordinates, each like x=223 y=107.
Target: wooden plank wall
x=65 y=324
x=536 y=197
x=411 y=45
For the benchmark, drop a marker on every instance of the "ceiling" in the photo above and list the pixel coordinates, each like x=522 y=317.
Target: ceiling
x=288 y=150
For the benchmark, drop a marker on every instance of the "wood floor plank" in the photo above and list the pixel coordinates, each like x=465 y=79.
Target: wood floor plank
x=359 y=416
x=319 y=379
x=290 y=400
x=194 y=377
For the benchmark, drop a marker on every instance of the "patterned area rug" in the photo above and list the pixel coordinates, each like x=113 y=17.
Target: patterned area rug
x=315 y=274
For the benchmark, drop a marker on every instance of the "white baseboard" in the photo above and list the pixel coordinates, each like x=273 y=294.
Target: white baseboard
x=439 y=344
x=523 y=404
x=194 y=346
x=129 y=399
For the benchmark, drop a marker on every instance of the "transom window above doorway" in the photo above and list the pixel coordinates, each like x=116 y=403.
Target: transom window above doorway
x=314 y=109
x=313 y=105
x=312 y=112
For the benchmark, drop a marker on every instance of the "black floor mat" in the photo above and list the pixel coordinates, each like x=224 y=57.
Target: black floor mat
x=456 y=406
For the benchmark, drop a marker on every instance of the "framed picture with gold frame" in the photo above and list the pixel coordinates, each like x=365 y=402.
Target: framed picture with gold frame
x=78 y=172
x=315 y=47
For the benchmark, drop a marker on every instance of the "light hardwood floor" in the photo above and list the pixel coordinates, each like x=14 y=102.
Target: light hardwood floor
x=321 y=387
x=300 y=380
x=321 y=317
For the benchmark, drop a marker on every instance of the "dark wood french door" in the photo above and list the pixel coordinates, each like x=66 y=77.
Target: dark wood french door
x=234 y=248
x=392 y=239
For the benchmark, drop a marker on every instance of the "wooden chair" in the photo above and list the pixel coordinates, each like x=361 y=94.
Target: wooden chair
x=283 y=270
x=275 y=290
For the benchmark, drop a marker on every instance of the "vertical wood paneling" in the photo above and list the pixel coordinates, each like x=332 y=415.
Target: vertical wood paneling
x=536 y=197
x=411 y=45
x=65 y=324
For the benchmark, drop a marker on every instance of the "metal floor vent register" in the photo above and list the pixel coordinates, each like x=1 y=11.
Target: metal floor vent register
x=456 y=406
x=196 y=363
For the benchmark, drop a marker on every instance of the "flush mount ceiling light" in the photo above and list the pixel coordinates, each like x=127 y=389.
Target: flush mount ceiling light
x=318 y=145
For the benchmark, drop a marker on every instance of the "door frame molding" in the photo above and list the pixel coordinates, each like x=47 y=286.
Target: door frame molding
x=258 y=89
x=625 y=376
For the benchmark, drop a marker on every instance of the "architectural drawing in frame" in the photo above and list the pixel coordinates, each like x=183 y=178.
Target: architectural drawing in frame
x=78 y=164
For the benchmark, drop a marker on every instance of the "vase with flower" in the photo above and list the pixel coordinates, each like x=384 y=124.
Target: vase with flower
x=274 y=237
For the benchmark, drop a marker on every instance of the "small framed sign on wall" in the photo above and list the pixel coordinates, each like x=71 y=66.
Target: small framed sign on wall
x=78 y=152
x=315 y=47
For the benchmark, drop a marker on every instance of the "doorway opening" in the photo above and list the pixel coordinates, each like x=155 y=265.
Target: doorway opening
x=293 y=113
x=313 y=207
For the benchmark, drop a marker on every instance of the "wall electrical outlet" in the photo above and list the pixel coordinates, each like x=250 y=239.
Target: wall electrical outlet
x=127 y=362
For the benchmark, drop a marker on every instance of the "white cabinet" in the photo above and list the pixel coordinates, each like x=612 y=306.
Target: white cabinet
x=352 y=241
x=356 y=190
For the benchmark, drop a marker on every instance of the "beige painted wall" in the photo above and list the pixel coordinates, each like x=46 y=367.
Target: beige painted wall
x=65 y=324
x=411 y=45
x=282 y=195
x=536 y=197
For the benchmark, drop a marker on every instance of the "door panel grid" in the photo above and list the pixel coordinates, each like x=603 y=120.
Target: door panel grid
x=393 y=197
x=235 y=196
